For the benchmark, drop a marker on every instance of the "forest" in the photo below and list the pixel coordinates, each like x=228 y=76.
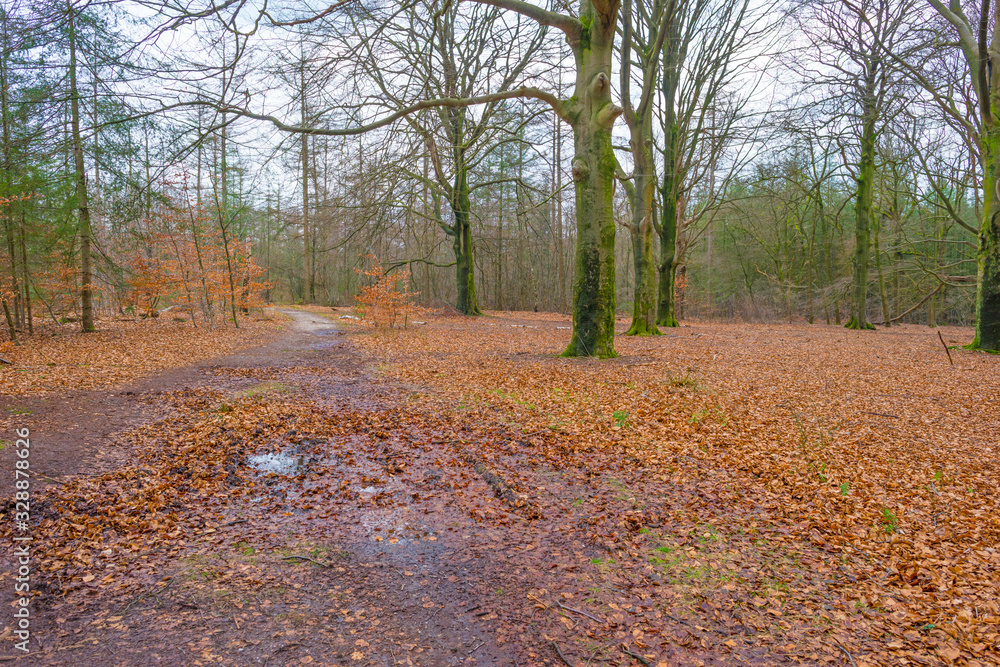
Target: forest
x=507 y=332
x=778 y=161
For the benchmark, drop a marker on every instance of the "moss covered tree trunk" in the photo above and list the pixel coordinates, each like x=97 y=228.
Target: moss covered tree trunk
x=592 y=114
x=642 y=187
x=644 y=294
x=465 y=267
x=667 y=268
x=987 y=69
x=672 y=180
x=883 y=295
x=988 y=253
x=981 y=51
x=863 y=210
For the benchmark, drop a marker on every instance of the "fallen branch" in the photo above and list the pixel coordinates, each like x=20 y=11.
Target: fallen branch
x=502 y=490
x=947 y=351
x=637 y=656
x=904 y=314
x=4 y=361
x=846 y=652
x=582 y=613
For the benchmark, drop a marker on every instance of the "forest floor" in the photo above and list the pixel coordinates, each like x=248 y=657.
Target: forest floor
x=454 y=493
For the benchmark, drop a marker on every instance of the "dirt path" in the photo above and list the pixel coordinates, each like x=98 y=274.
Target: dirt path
x=400 y=582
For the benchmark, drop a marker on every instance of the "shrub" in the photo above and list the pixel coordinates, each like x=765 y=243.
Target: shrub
x=386 y=301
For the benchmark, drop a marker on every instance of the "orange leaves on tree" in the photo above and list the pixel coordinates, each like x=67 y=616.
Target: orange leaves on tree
x=386 y=301
x=186 y=259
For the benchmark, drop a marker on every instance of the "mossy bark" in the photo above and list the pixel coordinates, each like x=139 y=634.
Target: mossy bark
x=465 y=267
x=592 y=115
x=642 y=186
x=883 y=295
x=672 y=180
x=644 y=306
x=863 y=211
x=665 y=312
x=988 y=254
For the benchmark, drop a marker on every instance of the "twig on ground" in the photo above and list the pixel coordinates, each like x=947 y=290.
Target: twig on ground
x=561 y=656
x=638 y=657
x=532 y=596
x=846 y=652
x=501 y=488
x=582 y=613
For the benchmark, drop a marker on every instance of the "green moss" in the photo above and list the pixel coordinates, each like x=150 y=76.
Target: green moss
x=854 y=324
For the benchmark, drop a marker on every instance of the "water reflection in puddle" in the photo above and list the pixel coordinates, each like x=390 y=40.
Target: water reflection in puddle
x=281 y=463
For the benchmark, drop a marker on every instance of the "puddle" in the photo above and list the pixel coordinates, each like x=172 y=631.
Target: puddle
x=281 y=463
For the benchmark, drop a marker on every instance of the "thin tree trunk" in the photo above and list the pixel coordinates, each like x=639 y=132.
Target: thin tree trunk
x=307 y=288
x=881 y=277
x=6 y=211
x=642 y=188
x=669 y=190
x=224 y=226
x=26 y=275
x=86 y=278
x=465 y=267
x=10 y=321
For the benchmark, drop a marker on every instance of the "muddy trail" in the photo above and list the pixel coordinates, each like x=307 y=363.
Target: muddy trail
x=287 y=506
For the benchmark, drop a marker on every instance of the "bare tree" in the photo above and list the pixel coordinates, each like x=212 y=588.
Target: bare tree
x=645 y=25
x=709 y=46
x=850 y=45
x=444 y=51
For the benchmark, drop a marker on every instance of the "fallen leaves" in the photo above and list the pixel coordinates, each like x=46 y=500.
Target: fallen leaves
x=869 y=448
x=716 y=494
x=119 y=352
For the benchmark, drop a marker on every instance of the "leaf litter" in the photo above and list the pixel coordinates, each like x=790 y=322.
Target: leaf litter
x=724 y=494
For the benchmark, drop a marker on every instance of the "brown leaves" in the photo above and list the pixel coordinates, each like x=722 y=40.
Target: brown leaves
x=865 y=448
x=117 y=353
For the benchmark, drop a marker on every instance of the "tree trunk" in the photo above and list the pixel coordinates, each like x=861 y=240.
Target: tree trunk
x=881 y=277
x=307 y=288
x=8 y=173
x=10 y=321
x=669 y=195
x=665 y=313
x=810 y=275
x=863 y=213
x=644 y=292
x=26 y=275
x=560 y=246
x=86 y=278
x=641 y=229
x=593 y=115
x=465 y=267
x=988 y=254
